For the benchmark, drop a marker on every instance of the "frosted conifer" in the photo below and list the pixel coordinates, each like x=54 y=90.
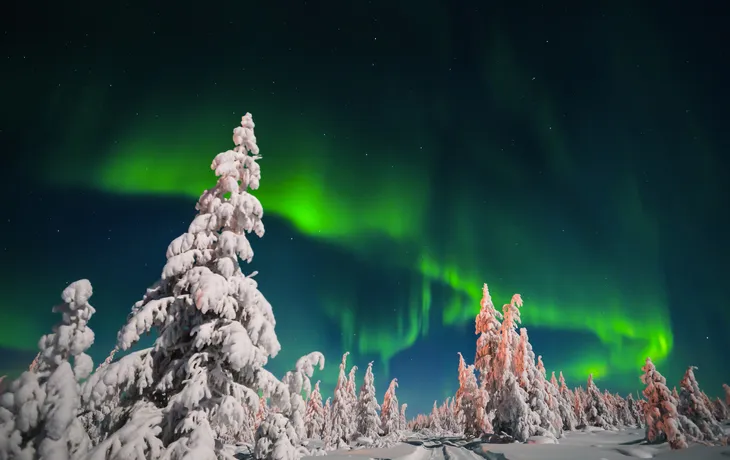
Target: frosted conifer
x=487 y=325
x=660 y=410
x=299 y=382
x=314 y=417
x=726 y=388
x=719 y=410
x=635 y=409
x=327 y=426
x=389 y=411
x=468 y=400
x=547 y=403
x=341 y=412
x=512 y=412
x=693 y=406
x=368 y=421
x=595 y=409
x=352 y=399
x=435 y=422
x=563 y=401
x=39 y=411
x=215 y=333
x=402 y=420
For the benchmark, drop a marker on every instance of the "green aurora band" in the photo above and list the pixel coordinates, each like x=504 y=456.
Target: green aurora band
x=365 y=205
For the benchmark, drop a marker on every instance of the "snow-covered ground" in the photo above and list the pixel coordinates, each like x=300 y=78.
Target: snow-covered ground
x=591 y=445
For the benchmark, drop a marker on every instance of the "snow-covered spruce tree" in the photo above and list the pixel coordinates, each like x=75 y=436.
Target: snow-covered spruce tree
x=402 y=423
x=719 y=410
x=435 y=420
x=449 y=422
x=595 y=406
x=660 y=410
x=512 y=413
x=389 y=411
x=694 y=407
x=487 y=325
x=675 y=393
x=352 y=399
x=367 y=420
x=612 y=406
x=633 y=408
x=215 y=333
x=546 y=392
x=579 y=398
x=299 y=382
x=468 y=401
x=327 y=416
x=533 y=382
x=39 y=412
x=314 y=417
x=726 y=388
x=565 y=410
x=341 y=413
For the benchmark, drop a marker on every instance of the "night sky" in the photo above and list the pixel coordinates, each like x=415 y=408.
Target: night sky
x=411 y=151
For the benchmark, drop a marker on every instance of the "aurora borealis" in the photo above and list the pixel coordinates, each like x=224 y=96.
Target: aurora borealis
x=411 y=152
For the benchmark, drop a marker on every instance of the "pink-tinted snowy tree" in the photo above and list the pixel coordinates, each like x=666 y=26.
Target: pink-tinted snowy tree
x=660 y=410
x=39 y=412
x=719 y=410
x=215 y=333
x=468 y=401
x=726 y=388
x=368 y=421
x=487 y=325
x=389 y=412
x=512 y=414
x=694 y=407
x=314 y=417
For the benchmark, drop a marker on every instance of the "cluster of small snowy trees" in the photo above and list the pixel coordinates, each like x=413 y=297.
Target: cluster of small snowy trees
x=355 y=417
x=513 y=396
x=202 y=384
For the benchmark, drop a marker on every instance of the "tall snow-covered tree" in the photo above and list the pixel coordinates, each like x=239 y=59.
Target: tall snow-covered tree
x=215 y=333
x=487 y=325
x=660 y=410
x=39 y=412
x=595 y=408
x=314 y=417
x=368 y=421
x=341 y=414
x=726 y=388
x=693 y=406
x=389 y=411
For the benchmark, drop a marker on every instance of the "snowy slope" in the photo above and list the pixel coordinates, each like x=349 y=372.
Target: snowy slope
x=591 y=445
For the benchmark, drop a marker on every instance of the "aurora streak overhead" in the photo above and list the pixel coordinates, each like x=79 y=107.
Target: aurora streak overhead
x=409 y=155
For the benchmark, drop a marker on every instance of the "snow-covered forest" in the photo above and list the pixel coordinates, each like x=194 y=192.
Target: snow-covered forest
x=202 y=391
